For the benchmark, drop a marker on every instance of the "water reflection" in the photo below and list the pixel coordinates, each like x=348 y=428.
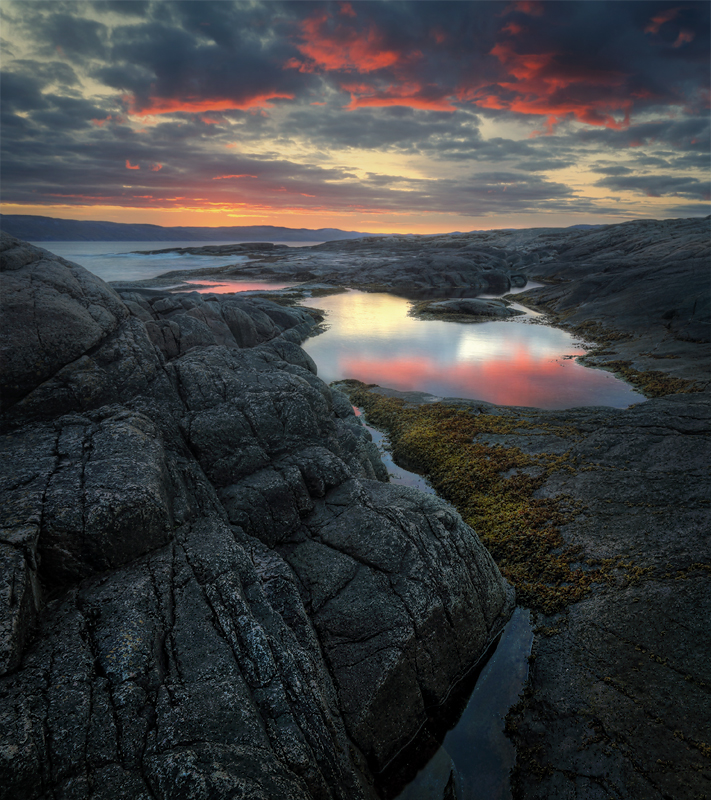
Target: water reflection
x=228 y=286
x=463 y=748
x=371 y=338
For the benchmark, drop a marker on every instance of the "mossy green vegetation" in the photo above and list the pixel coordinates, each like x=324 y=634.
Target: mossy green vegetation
x=652 y=383
x=493 y=489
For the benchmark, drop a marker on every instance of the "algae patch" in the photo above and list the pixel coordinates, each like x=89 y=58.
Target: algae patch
x=652 y=383
x=492 y=487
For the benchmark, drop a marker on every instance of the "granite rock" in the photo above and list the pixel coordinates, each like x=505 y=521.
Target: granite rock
x=207 y=589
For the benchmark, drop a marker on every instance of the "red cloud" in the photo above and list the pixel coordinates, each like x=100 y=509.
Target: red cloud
x=130 y=166
x=156 y=167
x=656 y=22
x=530 y=7
x=337 y=46
x=683 y=37
x=413 y=95
x=194 y=105
x=227 y=177
x=347 y=10
x=512 y=28
x=543 y=86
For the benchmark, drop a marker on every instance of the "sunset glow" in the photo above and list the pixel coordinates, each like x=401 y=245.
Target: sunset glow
x=413 y=117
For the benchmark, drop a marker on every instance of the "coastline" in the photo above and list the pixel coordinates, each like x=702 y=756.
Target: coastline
x=156 y=356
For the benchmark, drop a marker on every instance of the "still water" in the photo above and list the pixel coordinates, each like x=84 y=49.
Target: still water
x=514 y=362
x=464 y=742
x=118 y=261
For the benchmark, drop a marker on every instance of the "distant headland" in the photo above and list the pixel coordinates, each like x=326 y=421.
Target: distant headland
x=35 y=228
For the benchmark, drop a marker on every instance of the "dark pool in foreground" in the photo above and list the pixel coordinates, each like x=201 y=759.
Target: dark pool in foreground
x=463 y=742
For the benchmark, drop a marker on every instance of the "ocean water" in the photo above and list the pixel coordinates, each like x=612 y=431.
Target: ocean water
x=118 y=261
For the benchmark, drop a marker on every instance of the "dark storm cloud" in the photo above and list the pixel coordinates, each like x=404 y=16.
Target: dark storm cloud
x=75 y=38
x=658 y=185
x=693 y=133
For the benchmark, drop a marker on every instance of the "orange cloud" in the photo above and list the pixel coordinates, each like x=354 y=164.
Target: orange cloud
x=544 y=87
x=227 y=177
x=683 y=38
x=156 y=167
x=341 y=47
x=656 y=23
x=409 y=94
x=347 y=10
x=530 y=7
x=130 y=166
x=512 y=28
x=193 y=105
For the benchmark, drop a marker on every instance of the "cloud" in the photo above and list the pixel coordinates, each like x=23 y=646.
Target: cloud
x=660 y=19
x=419 y=106
x=327 y=43
x=659 y=185
x=614 y=170
x=688 y=210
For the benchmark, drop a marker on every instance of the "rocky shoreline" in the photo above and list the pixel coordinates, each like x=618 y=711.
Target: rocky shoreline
x=618 y=698
x=208 y=587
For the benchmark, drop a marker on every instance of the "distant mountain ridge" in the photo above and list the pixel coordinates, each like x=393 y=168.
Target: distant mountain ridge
x=33 y=228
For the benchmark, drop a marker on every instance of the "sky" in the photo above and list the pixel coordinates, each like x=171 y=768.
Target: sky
x=412 y=117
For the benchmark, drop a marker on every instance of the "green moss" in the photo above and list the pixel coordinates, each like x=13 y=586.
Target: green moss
x=519 y=530
x=599 y=333
x=652 y=383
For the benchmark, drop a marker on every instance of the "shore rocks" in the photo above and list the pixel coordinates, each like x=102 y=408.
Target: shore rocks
x=207 y=590
x=617 y=702
x=53 y=312
x=466 y=309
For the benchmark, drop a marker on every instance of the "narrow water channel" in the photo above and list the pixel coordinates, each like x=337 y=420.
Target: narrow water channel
x=462 y=753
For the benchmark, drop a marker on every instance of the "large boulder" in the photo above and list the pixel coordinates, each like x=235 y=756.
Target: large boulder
x=53 y=311
x=206 y=587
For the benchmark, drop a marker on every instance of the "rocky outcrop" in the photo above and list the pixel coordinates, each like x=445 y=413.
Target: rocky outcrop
x=617 y=702
x=207 y=589
x=465 y=309
x=644 y=284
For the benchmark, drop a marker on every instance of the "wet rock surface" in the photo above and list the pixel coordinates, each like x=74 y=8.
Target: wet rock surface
x=465 y=310
x=207 y=589
x=619 y=701
x=644 y=284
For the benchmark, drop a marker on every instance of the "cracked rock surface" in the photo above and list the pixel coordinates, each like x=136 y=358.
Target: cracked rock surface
x=618 y=701
x=207 y=589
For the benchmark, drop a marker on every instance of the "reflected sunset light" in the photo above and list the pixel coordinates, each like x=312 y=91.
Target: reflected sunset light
x=371 y=338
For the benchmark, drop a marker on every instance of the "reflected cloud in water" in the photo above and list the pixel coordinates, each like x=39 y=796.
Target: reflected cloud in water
x=372 y=338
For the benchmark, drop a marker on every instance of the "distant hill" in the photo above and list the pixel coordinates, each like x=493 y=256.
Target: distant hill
x=33 y=228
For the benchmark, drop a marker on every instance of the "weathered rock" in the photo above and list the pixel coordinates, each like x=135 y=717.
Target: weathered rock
x=53 y=312
x=618 y=701
x=468 y=307
x=162 y=496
